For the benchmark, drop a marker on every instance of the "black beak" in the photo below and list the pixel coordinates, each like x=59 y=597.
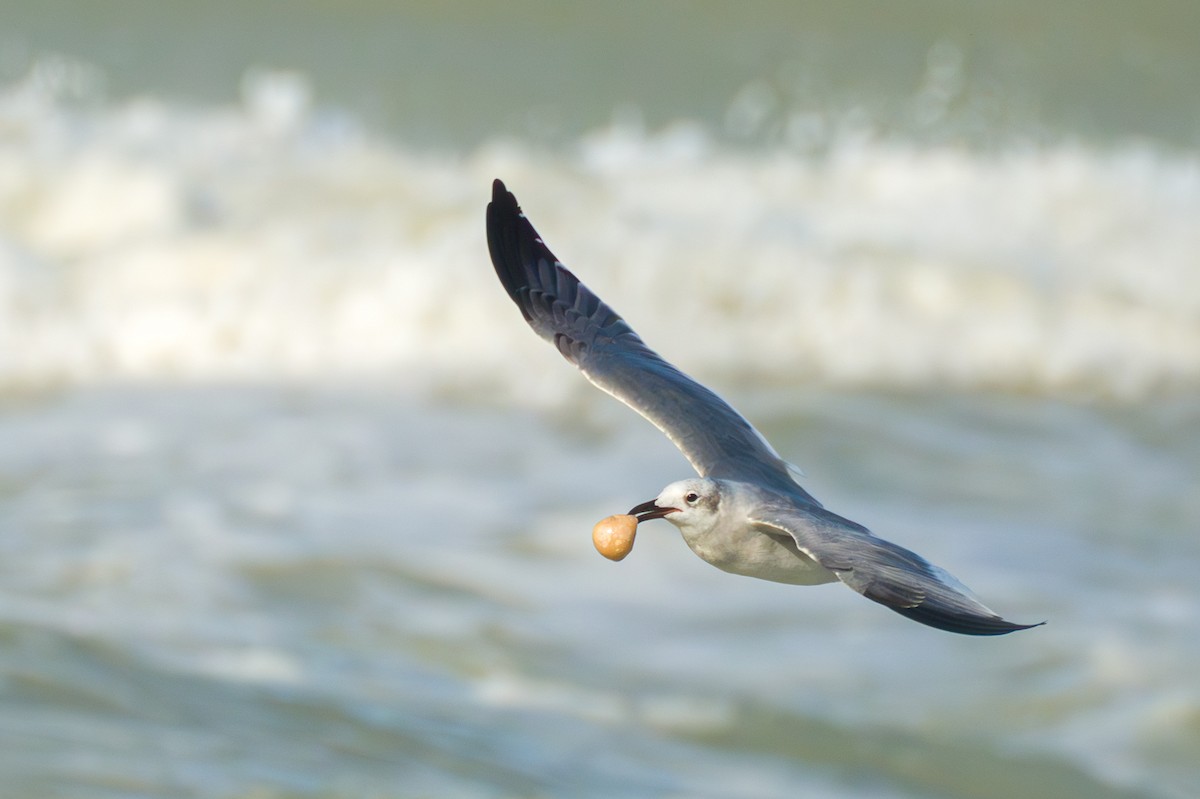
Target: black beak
x=648 y=510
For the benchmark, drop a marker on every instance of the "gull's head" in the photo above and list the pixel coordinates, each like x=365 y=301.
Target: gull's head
x=685 y=504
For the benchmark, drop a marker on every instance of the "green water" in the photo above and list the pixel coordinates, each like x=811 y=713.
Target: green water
x=457 y=73
x=293 y=505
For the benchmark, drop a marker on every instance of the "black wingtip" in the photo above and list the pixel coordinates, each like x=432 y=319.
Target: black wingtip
x=503 y=209
x=518 y=253
x=500 y=191
x=506 y=232
x=962 y=623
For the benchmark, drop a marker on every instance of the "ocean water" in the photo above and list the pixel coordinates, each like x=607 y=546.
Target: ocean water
x=293 y=504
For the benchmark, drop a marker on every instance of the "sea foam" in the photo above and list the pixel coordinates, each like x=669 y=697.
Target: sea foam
x=149 y=240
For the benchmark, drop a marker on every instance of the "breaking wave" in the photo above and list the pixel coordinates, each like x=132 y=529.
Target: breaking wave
x=154 y=240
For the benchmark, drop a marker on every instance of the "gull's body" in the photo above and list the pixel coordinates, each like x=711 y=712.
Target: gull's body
x=745 y=514
x=717 y=527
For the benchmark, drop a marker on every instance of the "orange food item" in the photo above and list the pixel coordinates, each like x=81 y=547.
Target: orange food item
x=613 y=535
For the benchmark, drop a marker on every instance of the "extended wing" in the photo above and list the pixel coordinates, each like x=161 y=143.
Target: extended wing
x=714 y=437
x=885 y=572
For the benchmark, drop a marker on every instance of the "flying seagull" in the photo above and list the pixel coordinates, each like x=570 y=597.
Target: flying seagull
x=745 y=513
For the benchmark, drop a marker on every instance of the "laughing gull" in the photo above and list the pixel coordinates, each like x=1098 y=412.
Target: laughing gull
x=745 y=513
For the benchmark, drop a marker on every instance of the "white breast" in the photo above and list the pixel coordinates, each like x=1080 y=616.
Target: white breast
x=745 y=550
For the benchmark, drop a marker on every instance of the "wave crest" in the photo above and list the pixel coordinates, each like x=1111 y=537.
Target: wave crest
x=149 y=240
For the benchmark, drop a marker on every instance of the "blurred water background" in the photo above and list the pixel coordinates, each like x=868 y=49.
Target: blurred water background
x=292 y=503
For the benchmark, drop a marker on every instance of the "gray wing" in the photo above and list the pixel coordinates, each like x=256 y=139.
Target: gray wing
x=885 y=572
x=712 y=435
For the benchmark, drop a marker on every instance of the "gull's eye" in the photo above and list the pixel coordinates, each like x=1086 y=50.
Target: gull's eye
x=691 y=497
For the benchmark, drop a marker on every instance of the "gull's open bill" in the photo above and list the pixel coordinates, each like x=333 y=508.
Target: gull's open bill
x=745 y=513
